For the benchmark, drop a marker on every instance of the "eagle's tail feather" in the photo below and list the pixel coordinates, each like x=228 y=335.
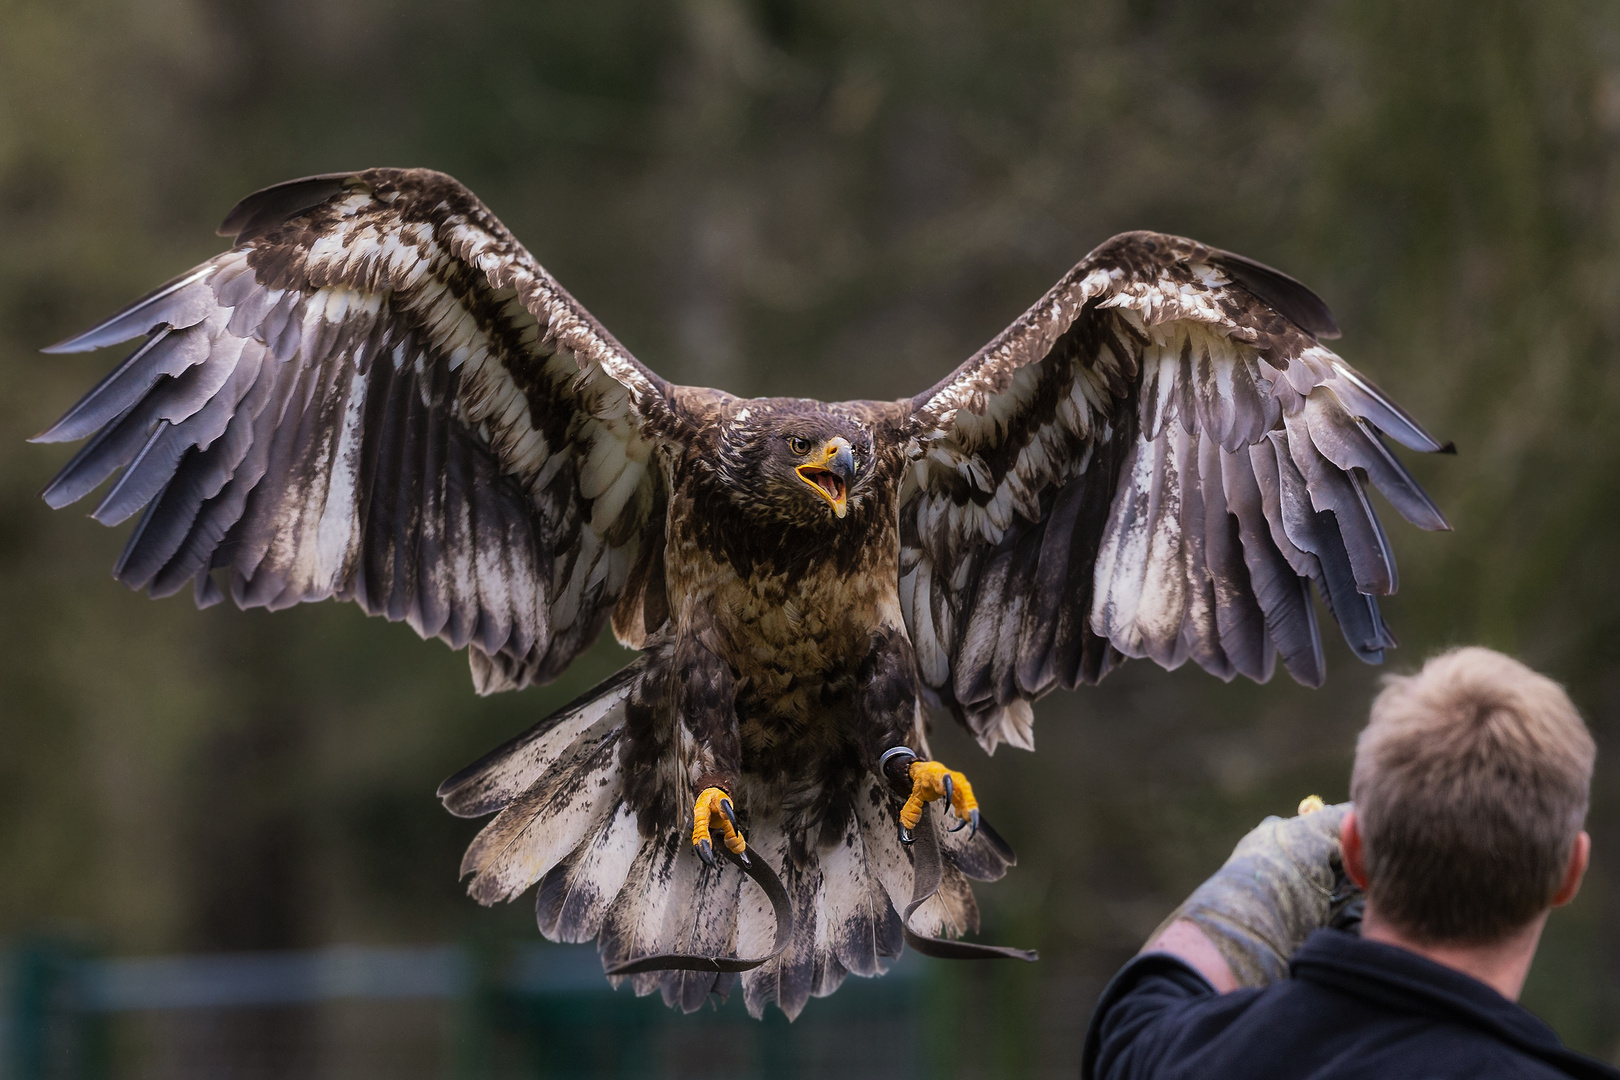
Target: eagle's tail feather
x=756 y=922
x=558 y=791
x=847 y=896
x=861 y=921
x=703 y=923
x=984 y=856
x=826 y=970
x=494 y=780
x=574 y=897
x=795 y=967
x=564 y=822
x=635 y=920
x=570 y=802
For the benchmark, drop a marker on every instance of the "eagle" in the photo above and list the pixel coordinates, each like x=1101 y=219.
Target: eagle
x=378 y=395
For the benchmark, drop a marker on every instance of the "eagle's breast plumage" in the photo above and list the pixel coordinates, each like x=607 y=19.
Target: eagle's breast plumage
x=378 y=395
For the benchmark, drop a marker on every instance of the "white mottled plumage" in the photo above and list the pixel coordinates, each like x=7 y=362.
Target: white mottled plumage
x=378 y=395
x=592 y=879
x=548 y=821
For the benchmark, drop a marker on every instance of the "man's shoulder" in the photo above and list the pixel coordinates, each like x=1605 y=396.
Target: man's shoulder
x=1457 y=1010
x=1348 y=1011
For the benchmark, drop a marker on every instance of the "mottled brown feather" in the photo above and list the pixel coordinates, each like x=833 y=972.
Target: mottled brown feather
x=378 y=395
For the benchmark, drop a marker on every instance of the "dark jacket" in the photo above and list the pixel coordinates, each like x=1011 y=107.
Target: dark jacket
x=1350 y=1008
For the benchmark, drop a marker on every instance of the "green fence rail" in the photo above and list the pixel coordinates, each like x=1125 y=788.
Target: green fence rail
x=523 y=1010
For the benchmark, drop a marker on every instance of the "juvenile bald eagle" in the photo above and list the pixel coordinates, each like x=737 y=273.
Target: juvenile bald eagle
x=378 y=395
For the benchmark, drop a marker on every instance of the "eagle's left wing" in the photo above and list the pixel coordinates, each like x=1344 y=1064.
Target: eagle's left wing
x=1156 y=460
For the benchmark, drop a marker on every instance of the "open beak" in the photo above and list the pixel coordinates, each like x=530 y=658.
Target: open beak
x=832 y=475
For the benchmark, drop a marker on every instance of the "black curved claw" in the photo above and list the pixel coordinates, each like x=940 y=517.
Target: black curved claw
x=731 y=814
x=950 y=791
x=973 y=819
x=959 y=826
x=705 y=852
x=907 y=836
x=742 y=857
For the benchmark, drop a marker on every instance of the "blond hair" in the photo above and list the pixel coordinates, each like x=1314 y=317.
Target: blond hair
x=1471 y=783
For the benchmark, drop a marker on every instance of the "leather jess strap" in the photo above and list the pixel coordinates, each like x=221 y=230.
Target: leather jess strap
x=927 y=873
x=766 y=879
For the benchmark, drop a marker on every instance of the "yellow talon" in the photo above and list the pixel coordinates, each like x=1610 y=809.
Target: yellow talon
x=713 y=803
x=929 y=781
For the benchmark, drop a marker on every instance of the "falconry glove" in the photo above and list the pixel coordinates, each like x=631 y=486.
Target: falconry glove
x=1282 y=881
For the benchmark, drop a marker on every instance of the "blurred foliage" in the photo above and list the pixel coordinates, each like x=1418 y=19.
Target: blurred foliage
x=841 y=199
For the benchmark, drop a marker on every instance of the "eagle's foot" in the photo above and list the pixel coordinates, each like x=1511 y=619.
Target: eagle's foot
x=929 y=781
x=713 y=804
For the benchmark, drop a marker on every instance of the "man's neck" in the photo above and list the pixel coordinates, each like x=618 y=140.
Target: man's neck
x=1501 y=965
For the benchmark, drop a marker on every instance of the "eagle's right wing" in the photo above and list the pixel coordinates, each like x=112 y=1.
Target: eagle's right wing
x=377 y=394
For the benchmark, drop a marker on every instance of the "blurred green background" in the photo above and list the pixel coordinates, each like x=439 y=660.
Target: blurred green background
x=834 y=198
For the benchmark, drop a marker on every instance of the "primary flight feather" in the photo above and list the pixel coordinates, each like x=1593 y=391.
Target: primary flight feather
x=378 y=395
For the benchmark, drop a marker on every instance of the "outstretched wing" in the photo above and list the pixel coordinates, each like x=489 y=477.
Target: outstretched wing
x=1157 y=459
x=377 y=394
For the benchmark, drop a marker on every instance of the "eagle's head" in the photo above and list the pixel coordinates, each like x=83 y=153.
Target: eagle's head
x=794 y=462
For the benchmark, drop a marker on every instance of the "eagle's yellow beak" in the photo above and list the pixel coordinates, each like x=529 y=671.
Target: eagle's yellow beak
x=830 y=473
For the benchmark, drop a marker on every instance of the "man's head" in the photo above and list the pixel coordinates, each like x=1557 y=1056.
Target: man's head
x=1470 y=788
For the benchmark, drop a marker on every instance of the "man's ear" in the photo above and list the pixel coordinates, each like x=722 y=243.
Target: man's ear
x=1355 y=858
x=1574 y=872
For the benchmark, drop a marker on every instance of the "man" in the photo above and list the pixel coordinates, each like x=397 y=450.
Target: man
x=1469 y=792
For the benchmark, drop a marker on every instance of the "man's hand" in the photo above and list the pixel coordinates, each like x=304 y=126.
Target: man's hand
x=1282 y=881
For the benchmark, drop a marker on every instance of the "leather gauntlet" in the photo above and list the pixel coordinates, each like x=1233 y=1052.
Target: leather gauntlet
x=1282 y=881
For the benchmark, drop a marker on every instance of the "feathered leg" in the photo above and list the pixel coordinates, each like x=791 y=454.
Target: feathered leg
x=711 y=747
x=886 y=696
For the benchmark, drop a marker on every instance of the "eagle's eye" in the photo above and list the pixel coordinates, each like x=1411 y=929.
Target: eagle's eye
x=799 y=445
